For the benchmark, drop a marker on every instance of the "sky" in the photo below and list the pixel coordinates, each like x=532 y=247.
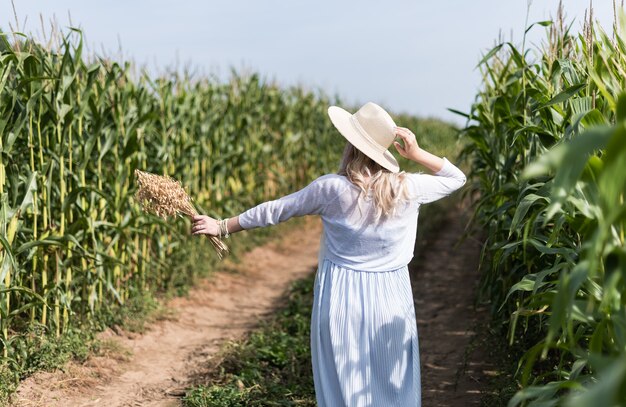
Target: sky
x=416 y=57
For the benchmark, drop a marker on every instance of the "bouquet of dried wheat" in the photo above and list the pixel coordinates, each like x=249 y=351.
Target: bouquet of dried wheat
x=164 y=196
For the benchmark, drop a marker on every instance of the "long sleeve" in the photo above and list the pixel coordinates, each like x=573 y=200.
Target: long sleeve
x=310 y=200
x=441 y=184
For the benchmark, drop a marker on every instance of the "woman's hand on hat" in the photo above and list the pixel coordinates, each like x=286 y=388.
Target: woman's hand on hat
x=204 y=225
x=410 y=149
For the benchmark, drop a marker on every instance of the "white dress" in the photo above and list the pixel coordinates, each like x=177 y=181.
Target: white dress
x=364 y=343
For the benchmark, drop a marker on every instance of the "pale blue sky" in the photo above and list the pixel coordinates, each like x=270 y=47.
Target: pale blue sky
x=410 y=56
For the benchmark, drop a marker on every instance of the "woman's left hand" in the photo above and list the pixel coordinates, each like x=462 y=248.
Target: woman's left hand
x=204 y=225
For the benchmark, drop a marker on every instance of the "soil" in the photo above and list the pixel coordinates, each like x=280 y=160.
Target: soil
x=154 y=368
x=454 y=370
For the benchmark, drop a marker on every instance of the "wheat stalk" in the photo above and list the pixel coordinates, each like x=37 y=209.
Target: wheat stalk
x=164 y=197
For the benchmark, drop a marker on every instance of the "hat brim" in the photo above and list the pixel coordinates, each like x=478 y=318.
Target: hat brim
x=342 y=122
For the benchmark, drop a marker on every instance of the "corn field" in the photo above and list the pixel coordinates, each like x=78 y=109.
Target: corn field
x=548 y=152
x=72 y=132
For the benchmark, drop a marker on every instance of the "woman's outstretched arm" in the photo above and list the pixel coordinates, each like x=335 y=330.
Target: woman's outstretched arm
x=308 y=201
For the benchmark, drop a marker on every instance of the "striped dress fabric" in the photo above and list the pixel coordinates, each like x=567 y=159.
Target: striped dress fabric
x=364 y=342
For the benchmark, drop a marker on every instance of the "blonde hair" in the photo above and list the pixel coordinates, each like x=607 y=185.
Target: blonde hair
x=387 y=188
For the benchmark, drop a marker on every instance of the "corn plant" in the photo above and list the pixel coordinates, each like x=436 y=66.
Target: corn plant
x=547 y=151
x=72 y=131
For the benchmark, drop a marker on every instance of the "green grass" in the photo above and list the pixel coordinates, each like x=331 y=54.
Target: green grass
x=272 y=367
x=43 y=352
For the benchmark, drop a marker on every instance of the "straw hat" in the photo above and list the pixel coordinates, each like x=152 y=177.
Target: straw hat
x=370 y=129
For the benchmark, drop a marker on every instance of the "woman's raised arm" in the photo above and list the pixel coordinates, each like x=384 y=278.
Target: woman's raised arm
x=446 y=179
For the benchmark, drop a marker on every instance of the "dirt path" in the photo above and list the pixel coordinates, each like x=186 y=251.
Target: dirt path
x=224 y=307
x=163 y=359
x=444 y=279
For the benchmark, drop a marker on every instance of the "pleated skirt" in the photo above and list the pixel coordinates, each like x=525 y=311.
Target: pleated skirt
x=364 y=341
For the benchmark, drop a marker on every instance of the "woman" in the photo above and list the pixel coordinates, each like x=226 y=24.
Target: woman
x=364 y=341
